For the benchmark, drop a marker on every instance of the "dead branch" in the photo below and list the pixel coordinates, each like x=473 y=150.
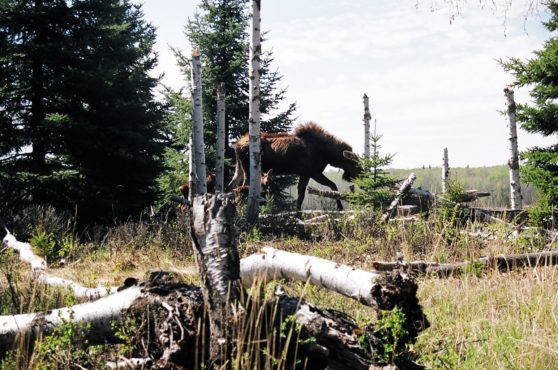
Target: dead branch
x=401 y=192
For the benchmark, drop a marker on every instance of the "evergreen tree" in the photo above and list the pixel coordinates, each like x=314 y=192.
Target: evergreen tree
x=373 y=183
x=80 y=120
x=219 y=30
x=540 y=165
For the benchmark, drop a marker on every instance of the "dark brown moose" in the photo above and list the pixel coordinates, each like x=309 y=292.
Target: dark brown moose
x=306 y=152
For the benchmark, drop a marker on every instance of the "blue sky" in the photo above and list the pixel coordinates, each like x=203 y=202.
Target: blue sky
x=432 y=79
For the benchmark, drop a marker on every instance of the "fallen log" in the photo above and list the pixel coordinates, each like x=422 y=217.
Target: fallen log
x=100 y=314
x=364 y=286
x=39 y=269
x=500 y=262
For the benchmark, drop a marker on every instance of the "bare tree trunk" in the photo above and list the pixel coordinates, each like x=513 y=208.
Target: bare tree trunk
x=254 y=119
x=513 y=162
x=445 y=172
x=220 y=155
x=218 y=262
x=366 y=126
x=197 y=130
x=191 y=172
x=403 y=190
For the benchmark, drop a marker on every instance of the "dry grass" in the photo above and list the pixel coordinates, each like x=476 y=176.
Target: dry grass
x=485 y=320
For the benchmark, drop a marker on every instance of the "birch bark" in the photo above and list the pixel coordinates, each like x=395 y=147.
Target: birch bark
x=513 y=162
x=220 y=155
x=445 y=171
x=197 y=130
x=366 y=120
x=254 y=118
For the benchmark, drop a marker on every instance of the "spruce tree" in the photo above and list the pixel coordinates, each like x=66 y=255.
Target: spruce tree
x=81 y=122
x=374 y=182
x=540 y=164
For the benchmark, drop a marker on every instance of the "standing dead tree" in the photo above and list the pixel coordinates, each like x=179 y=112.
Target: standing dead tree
x=513 y=162
x=218 y=262
x=366 y=120
x=445 y=172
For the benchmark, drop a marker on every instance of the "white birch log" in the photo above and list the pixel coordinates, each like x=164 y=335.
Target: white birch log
x=254 y=115
x=220 y=155
x=39 y=268
x=366 y=120
x=401 y=192
x=270 y=264
x=513 y=162
x=100 y=314
x=197 y=130
x=445 y=172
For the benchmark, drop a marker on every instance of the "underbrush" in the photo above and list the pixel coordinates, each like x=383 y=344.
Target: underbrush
x=478 y=320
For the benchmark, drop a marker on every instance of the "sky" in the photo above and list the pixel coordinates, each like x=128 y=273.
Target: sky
x=431 y=72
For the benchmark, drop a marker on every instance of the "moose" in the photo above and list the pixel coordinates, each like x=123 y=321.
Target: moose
x=306 y=152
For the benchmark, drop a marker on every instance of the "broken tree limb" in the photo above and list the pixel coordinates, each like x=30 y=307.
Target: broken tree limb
x=499 y=262
x=325 y=193
x=401 y=192
x=217 y=258
x=39 y=270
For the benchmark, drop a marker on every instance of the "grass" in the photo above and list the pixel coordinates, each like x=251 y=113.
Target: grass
x=487 y=320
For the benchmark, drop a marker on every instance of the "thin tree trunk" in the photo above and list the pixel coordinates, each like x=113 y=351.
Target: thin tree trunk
x=254 y=119
x=513 y=162
x=191 y=172
x=403 y=190
x=220 y=155
x=445 y=172
x=218 y=262
x=366 y=126
x=197 y=130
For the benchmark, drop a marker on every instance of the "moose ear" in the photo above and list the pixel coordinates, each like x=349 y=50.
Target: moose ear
x=350 y=155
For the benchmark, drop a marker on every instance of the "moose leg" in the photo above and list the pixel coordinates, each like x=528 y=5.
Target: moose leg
x=322 y=180
x=302 y=183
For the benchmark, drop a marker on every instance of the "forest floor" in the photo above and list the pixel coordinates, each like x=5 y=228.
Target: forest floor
x=482 y=319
